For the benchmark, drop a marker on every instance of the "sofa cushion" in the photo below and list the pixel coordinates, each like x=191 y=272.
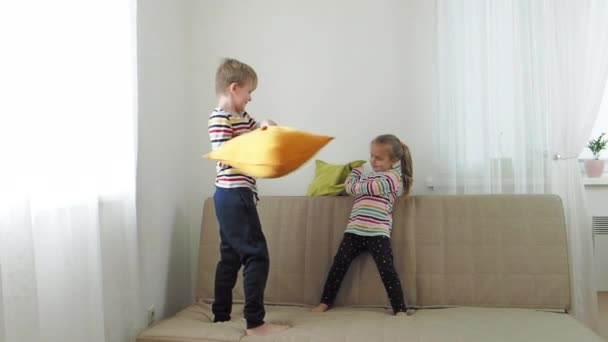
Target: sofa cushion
x=353 y=325
x=492 y=251
x=329 y=178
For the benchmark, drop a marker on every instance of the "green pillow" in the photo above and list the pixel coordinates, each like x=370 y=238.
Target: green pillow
x=329 y=179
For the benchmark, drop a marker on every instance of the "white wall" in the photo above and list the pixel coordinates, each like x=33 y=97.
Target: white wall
x=350 y=69
x=165 y=166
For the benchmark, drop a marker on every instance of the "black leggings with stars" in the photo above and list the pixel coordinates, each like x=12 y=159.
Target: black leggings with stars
x=380 y=248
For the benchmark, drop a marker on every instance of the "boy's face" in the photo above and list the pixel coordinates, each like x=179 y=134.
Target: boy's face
x=380 y=157
x=241 y=95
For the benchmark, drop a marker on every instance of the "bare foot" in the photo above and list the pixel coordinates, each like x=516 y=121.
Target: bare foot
x=266 y=329
x=409 y=312
x=320 y=308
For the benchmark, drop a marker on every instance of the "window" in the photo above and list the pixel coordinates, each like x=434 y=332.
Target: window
x=601 y=125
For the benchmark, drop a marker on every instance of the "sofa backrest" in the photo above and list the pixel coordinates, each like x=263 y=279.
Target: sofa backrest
x=476 y=250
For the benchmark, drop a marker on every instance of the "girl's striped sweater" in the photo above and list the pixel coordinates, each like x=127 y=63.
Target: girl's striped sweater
x=372 y=213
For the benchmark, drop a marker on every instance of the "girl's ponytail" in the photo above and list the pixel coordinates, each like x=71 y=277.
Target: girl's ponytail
x=406 y=169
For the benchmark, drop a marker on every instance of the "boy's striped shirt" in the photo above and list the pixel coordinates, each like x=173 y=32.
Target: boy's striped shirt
x=372 y=213
x=224 y=126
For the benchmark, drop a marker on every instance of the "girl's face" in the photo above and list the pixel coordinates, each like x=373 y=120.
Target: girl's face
x=380 y=157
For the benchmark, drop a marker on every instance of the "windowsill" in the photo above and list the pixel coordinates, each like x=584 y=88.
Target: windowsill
x=596 y=181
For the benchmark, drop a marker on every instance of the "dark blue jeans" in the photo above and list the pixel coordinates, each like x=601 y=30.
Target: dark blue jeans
x=242 y=244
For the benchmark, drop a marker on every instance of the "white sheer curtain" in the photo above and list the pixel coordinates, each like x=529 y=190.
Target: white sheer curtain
x=68 y=240
x=519 y=81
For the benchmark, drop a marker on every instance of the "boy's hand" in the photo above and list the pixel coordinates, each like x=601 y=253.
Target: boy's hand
x=266 y=123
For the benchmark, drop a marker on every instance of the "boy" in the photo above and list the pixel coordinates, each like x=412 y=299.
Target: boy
x=242 y=239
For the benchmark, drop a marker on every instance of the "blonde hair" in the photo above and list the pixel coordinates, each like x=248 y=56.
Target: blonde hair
x=233 y=71
x=401 y=152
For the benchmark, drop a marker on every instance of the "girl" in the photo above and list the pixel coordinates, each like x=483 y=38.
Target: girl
x=370 y=222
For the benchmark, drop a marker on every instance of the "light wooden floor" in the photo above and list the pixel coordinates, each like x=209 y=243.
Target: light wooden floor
x=603 y=303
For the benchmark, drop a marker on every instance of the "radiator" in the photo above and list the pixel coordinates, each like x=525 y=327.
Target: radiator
x=600 y=249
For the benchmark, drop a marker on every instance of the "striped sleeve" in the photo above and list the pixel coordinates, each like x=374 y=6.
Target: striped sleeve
x=244 y=125
x=378 y=183
x=220 y=129
x=255 y=123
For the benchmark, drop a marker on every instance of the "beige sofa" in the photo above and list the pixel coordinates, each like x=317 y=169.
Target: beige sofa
x=479 y=268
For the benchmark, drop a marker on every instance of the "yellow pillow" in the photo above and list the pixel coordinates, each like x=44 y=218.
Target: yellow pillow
x=270 y=152
x=329 y=179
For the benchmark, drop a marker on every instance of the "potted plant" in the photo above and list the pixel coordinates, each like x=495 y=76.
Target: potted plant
x=595 y=167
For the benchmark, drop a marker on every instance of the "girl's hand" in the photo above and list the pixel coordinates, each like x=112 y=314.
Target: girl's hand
x=366 y=168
